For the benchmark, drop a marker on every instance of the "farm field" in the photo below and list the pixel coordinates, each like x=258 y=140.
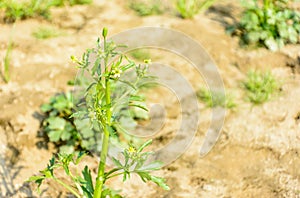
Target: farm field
x=258 y=150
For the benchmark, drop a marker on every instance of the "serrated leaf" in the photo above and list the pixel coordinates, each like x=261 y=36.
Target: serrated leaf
x=38 y=180
x=160 y=182
x=88 y=180
x=145 y=176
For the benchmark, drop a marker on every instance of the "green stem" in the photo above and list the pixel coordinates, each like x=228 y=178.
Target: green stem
x=67 y=187
x=266 y=4
x=104 y=151
x=105 y=142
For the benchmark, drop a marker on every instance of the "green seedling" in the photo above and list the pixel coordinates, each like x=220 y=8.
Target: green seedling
x=271 y=24
x=188 y=8
x=102 y=104
x=46 y=32
x=260 y=86
x=146 y=7
x=216 y=98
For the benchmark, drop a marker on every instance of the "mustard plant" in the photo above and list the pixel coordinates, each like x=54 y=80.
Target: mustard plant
x=107 y=68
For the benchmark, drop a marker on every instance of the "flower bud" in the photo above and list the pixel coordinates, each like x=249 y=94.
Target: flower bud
x=104 y=32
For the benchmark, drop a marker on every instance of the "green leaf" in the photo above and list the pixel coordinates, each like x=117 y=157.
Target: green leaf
x=46 y=107
x=293 y=35
x=65 y=135
x=139 y=106
x=141 y=148
x=56 y=123
x=140 y=113
x=62 y=103
x=67 y=149
x=55 y=135
x=79 y=114
x=88 y=144
x=117 y=163
x=88 y=184
x=253 y=37
x=79 y=157
x=145 y=176
x=160 y=182
x=97 y=67
x=38 y=180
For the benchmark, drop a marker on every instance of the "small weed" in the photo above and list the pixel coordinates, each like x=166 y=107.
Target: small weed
x=46 y=32
x=146 y=7
x=14 y=10
x=216 y=98
x=188 y=8
x=260 y=86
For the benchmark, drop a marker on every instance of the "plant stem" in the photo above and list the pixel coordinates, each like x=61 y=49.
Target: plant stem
x=67 y=187
x=105 y=142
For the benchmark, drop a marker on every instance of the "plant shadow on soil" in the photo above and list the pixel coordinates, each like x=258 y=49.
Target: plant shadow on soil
x=9 y=171
x=224 y=14
x=41 y=135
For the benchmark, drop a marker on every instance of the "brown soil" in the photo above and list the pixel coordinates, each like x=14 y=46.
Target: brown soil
x=257 y=154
